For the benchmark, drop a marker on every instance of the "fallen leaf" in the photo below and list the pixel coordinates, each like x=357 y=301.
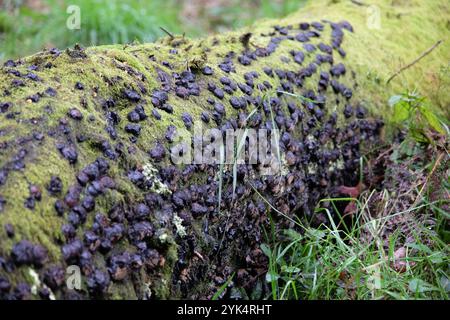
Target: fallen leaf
x=352 y=192
x=400 y=253
x=350 y=208
x=398 y=264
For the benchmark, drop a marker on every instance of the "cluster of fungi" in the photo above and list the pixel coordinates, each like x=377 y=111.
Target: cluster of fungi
x=78 y=128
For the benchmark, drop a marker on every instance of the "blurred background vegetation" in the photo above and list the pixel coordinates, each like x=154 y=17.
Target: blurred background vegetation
x=27 y=26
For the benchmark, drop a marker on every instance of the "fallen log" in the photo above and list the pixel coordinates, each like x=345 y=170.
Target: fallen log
x=88 y=183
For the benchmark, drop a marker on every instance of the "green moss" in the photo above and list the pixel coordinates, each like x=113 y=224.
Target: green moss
x=160 y=282
x=123 y=290
x=407 y=29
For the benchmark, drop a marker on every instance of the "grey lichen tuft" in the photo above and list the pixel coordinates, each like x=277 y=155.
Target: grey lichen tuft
x=178 y=222
x=150 y=174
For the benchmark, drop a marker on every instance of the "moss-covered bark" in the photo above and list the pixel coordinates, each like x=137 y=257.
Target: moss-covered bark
x=74 y=145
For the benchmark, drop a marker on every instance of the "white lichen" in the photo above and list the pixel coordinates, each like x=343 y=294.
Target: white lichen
x=37 y=284
x=178 y=222
x=150 y=174
x=312 y=168
x=340 y=164
x=163 y=237
x=147 y=290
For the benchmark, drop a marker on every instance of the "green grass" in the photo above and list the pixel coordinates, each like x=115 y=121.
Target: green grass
x=333 y=263
x=23 y=30
x=222 y=288
x=381 y=252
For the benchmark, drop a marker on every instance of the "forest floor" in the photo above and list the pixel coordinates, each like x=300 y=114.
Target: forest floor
x=391 y=238
x=390 y=242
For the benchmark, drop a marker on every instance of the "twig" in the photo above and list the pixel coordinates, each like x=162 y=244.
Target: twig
x=415 y=61
x=359 y=3
x=255 y=45
x=383 y=154
x=198 y=254
x=168 y=32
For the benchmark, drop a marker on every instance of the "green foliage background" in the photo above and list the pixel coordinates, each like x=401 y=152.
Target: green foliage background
x=25 y=30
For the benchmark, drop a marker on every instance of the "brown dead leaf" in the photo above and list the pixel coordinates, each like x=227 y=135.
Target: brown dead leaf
x=400 y=253
x=352 y=192
x=399 y=264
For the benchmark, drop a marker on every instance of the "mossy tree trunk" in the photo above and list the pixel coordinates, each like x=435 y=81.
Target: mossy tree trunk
x=82 y=130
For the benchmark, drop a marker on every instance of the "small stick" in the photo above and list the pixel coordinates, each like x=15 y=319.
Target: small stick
x=415 y=61
x=199 y=255
x=166 y=31
x=255 y=45
x=359 y=3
